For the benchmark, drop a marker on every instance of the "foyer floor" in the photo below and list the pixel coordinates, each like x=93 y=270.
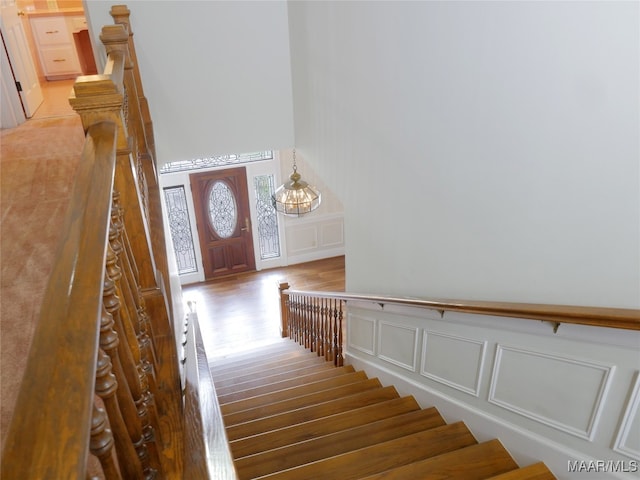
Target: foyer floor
x=242 y=311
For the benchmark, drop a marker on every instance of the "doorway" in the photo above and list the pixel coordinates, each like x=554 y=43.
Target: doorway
x=221 y=203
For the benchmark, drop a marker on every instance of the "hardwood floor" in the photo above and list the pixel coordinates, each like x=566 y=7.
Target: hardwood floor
x=240 y=312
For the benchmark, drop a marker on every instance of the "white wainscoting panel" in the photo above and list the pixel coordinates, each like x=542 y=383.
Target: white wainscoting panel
x=314 y=237
x=361 y=333
x=628 y=440
x=454 y=361
x=565 y=393
x=398 y=344
x=302 y=238
x=332 y=234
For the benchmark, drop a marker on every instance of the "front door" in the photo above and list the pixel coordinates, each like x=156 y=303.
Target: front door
x=221 y=202
x=24 y=71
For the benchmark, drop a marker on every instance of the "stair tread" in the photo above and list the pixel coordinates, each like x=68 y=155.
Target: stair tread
x=278 y=347
x=475 y=462
x=292 y=392
x=257 y=357
x=322 y=426
x=289 y=456
x=273 y=387
x=302 y=415
x=265 y=378
x=535 y=471
x=260 y=363
x=300 y=401
x=383 y=456
x=243 y=375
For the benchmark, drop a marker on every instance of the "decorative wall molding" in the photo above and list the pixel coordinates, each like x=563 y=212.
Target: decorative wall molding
x=628 y=441
x=454 y=361
x=398 y=344
x=361 y=333
x=562 y=392
x=314 y=237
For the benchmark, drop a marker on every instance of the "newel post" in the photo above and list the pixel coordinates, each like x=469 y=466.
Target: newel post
x=284 y=309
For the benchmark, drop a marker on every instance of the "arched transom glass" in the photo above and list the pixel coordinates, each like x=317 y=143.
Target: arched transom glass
x=223 y=210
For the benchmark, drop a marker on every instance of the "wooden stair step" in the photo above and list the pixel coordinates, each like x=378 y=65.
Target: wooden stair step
x=313 y=412
x=273 y=387
x=383 y=456
x=244 y=375
x=292 y=392
x=336 y=443
x=322 y=426
x=266 y=378
x=475 y=462
x=258 y=365
x=284 y=348
x=536 y=471
x=233 y=371
x=300 y=401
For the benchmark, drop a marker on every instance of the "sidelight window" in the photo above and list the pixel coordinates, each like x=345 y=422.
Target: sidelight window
x=180 y=227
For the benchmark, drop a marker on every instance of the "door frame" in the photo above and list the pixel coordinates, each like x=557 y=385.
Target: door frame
x=21 y=58
x=235 y=252
x=263 y=167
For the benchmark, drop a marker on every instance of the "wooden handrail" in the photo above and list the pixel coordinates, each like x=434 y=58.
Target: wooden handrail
x=55 y=402
x=623 y=318
x=102 y=369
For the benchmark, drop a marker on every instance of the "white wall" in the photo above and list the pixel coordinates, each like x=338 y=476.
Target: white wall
x=216 y=73
x=482 y=150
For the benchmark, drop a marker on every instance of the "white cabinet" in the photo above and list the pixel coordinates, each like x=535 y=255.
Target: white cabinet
x=55 y=44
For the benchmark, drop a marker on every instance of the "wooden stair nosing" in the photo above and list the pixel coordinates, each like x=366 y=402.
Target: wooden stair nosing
x=242 y=375
x=274 y=366
x=292 y=392
x=232 y=369
x=266 y=351
x=475 y=462
x=383 y=456
x=311 y=450
x=313 y=412
x=259 y=380
x=322 y=426
x=535 y=471
x=301 y=401
x=273 y=387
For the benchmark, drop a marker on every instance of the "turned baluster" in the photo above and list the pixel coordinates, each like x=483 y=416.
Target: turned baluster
x=101 y=444
x=140 y=431
x=128 y=265
x=113 y=389
x=340 y=358
x=128 y=291
x=293 y=327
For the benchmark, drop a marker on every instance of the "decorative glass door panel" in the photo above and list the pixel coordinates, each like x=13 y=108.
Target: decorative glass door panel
x=224 y=227
x=223 y=211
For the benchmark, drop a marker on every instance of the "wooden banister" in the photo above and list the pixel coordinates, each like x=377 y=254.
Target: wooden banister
x=55 y=403
x=105 y=329
x=623 y=318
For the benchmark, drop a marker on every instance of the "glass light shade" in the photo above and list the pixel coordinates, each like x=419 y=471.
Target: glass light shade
x=296 y=197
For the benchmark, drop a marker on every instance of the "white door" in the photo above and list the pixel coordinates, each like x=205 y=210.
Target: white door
x=20 y=57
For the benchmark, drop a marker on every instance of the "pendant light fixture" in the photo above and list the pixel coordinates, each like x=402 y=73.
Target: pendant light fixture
x=296 y=197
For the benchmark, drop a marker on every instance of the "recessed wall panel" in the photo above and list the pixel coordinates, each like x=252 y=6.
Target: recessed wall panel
x=331 y=234
x=398 y=344
x=562 y=392
x=453 y=361
x=361 y=333
x=628 y=440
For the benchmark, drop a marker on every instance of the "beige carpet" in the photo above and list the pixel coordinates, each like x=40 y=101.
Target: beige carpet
x=38 y=162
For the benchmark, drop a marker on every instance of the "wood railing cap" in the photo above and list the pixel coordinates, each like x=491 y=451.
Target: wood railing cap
x=624 y=318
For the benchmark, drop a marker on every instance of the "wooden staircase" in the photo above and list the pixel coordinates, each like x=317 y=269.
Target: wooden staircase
x=291 y=415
